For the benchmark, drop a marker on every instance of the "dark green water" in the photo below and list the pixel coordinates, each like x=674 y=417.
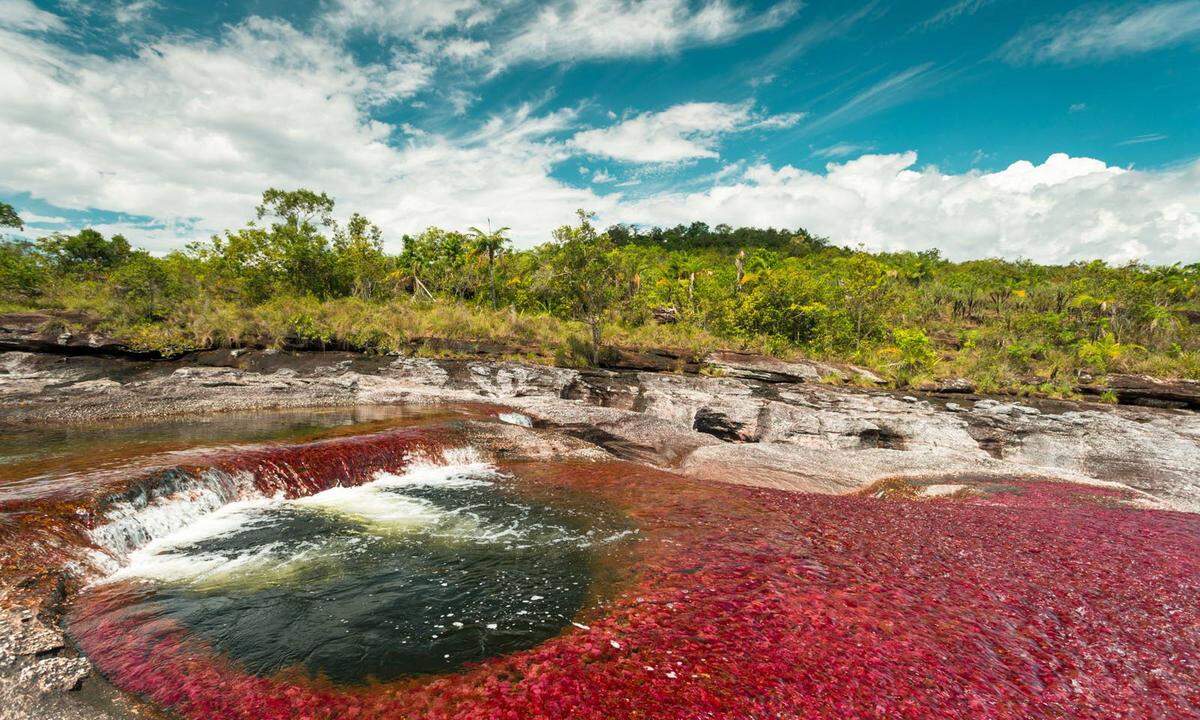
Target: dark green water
x=420 y=573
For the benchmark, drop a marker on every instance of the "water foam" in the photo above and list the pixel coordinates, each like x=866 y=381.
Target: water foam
x=149 y=538
x=454 y=468
x=148 y=516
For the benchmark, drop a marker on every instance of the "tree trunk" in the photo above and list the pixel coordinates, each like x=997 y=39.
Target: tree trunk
x=492 y=275
x=595 y=325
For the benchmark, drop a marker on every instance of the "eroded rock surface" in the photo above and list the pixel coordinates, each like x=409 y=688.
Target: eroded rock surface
x=761 y=426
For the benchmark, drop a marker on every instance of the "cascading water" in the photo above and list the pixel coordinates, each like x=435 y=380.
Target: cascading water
x=413 y=572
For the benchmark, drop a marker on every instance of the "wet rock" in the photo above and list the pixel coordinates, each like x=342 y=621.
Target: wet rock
x=799 y=435
x=25 y=634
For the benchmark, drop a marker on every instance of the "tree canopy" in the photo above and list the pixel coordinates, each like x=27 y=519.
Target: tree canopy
x=294 y=269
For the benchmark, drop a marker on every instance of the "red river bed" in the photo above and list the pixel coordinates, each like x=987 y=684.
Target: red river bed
x=1042 y=600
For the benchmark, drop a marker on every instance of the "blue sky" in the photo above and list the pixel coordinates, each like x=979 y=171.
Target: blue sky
x=1049 y=130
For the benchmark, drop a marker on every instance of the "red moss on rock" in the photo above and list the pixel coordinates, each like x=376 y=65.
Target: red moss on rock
x=1036 y=602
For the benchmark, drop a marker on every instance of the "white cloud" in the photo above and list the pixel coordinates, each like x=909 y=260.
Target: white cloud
x=893 y=90
x=682 y=132
x=191 y=132
x=133 y=12
x=189 y=129
x=402 y=18
x=842 y=149
x=24 y=15
x=461 y=49
x=953 y=12
x=1091 y=35
x=600 y=176
x=1143 y=139
x=572 y=30
x=1063 y=209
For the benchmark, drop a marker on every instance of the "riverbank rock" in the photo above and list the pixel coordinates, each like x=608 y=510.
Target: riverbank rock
x=64 y=333
x=1150 y=391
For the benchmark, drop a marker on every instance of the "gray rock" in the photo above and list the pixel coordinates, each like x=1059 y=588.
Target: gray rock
x=57 y=674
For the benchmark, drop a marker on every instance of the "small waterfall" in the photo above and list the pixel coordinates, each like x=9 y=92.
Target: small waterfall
x=167 y=501
x=162 y=505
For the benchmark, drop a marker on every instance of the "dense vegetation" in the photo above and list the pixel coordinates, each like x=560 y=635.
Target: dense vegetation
x=294 y=274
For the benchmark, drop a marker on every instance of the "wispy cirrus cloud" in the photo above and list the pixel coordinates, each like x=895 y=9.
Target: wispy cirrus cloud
x=842 y=149
x=405 y=18
x=575 y=30
x=25 y=16
x=896 y=89
x=1143 y=139
x=954 y=11
x=1096 y=34
x=688 y=131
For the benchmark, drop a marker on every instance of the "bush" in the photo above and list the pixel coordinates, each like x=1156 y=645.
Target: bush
x=914 y=356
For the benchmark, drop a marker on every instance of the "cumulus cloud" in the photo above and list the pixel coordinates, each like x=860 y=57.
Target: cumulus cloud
x=1063 y=209
x=189 y=133
x=1090 y=35
x=682 y=132
x=190 y=129
x=572 y=30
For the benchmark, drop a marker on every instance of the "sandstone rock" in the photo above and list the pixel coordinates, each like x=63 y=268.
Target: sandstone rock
x=801 y=435
x=731 y=423
x=948 y=386
x=66 y=333
x=752 y=366
x=662 y=360
x=58 y=674
x=1150 y=391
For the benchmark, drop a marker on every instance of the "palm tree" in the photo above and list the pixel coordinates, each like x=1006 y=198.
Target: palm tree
x=492 y=243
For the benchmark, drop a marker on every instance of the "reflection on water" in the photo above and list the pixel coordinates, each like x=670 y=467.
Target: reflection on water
x=444 y=564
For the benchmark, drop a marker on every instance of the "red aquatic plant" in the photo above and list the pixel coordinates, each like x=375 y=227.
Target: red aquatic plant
x=1043 y=600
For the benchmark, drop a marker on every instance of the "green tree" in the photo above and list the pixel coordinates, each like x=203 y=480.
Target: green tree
x=914 y=355
x=359 y=253
x=490 y=243
x=147 y=289
x=9 y=217
x=584 y=279
x=85 y=251
x=23 y=274
x=290 y=255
